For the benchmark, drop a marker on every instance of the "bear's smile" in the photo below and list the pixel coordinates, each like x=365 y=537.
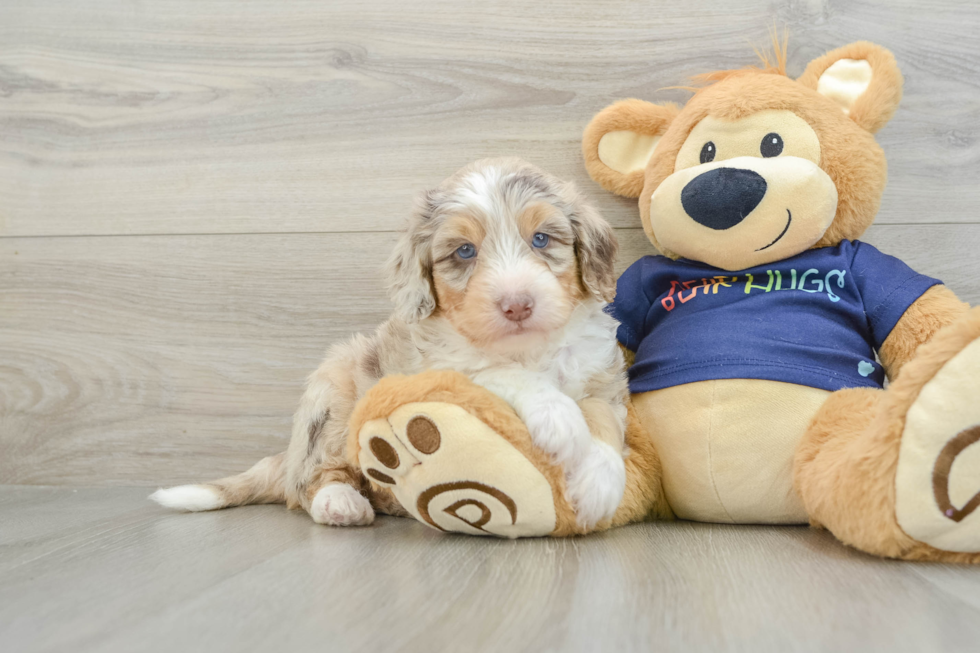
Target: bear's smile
x=789 y=221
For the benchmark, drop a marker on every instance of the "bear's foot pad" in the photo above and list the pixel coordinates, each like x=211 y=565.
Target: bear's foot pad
x=937 y=481
x=451 y=471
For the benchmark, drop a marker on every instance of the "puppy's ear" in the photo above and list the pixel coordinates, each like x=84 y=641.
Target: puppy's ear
x=596 y=247
x=409 y=269
x=620 y=140
x=862 y=78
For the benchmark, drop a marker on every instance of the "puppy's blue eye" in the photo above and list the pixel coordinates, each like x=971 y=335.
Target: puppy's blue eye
x=466 y=251
x=540 y=240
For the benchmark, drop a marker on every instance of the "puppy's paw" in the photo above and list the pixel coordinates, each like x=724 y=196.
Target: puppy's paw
x=557 y=426
x=339 y=504
x=595 y=484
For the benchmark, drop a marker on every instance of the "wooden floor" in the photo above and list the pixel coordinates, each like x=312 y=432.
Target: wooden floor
x=100 y=570
x=195 y=197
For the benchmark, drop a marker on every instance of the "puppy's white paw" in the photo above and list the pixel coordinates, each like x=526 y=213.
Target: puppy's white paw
x=339 y=504
x=193 y=498
x=595 y=484
x=558 y=427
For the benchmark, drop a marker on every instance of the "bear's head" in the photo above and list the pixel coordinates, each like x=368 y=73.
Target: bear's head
x=756 y=167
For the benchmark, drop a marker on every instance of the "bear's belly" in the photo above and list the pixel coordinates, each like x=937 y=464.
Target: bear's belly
x=727 y=447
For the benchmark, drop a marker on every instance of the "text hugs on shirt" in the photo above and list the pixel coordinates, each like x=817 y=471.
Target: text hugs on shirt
x=811 y=281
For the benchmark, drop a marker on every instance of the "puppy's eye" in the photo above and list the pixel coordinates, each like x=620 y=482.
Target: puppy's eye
x=466 y=251
x=708 y=152
x=772 y=145
x=540 y=240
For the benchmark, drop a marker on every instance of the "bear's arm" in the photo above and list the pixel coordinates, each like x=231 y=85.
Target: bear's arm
x=936 y=308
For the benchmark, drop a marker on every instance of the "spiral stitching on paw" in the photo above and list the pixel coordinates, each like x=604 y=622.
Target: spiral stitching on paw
x=940 y=475
x=426 y=497
x=479 y=523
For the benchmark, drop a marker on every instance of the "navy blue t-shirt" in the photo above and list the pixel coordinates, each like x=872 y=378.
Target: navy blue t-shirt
x=815 y=319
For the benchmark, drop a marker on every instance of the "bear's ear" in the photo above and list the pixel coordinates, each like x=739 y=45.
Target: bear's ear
x=620 y=140
x=862 y=78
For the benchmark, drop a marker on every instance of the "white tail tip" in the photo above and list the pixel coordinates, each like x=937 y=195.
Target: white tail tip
x=194 y=498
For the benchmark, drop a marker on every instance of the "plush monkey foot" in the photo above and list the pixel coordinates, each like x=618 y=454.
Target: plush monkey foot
x=937 y=479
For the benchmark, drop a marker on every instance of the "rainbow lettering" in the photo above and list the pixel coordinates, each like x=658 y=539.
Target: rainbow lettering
x=811 y=281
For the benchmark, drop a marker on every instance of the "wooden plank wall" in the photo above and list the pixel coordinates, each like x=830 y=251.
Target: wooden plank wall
x=195 y=196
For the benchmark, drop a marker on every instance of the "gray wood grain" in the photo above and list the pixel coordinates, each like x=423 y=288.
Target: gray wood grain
x=131 y=577
x=118 y=117
x=272 y=153
x=164 y=359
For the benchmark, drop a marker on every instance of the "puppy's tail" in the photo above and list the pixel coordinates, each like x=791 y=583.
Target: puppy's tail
x=265 y=482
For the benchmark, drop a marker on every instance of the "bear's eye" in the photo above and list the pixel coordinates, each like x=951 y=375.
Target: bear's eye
x=772 y=145
x=708 y=152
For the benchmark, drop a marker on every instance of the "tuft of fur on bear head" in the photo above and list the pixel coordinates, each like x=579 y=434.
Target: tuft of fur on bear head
x=756 y=167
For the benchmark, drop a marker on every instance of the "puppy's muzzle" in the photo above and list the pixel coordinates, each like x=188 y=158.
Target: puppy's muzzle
x=723 y=197
x=517 y=307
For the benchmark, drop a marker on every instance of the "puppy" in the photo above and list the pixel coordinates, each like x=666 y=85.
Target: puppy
x=502 y=274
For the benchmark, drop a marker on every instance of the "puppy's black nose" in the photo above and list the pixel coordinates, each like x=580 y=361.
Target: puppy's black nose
x=517 y=308
x=723 y=197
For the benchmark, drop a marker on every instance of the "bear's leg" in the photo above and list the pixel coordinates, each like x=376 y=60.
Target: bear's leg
x=644 y=498
x=897 y=472
x=457 y=458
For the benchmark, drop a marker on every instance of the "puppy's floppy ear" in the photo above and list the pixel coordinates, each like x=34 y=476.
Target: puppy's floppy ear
x=620 y=140
x=409 y=269
x=596 y=247
x=862 y=78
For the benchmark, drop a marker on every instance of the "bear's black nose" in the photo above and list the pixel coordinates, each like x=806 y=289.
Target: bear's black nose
x=723 y=197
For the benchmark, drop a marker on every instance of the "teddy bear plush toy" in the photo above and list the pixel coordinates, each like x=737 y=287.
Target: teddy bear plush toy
x=755 y=335
x=760 y=340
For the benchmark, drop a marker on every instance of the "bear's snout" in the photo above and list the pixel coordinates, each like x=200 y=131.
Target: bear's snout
x=723 y=197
